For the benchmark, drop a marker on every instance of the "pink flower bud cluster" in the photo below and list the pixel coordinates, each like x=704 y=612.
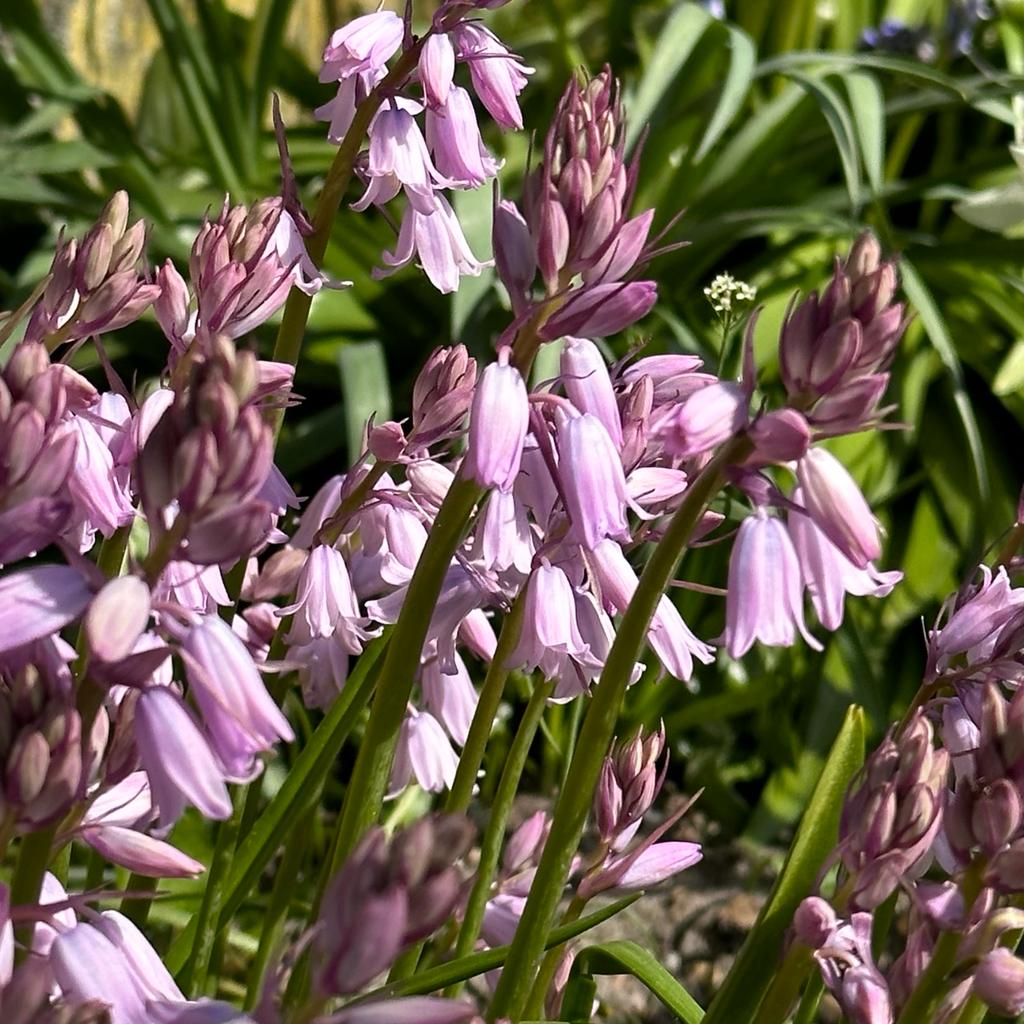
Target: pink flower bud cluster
x=937 y=813
x=96 y=284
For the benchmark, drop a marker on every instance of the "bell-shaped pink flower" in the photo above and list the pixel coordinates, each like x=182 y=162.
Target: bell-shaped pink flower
x=828 y=573
x=671 y=639
x=424 y=753
x=449 y=696
x=834 y=501
x=399 y=158
x=38 y=601
x=453 y=137
x=240 y=717
x=498 y=77
x=707 y=418
x=593 y=482
x=177 y=758
x=365 y=44
x=498 y=421
x=549 y=630
x=437 y=238
x=765 y=600
x=504 y=539
x=325 y=603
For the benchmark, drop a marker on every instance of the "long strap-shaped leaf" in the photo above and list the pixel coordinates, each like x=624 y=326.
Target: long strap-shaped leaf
x=623 y=957
x=738 y=998
x=472 y=966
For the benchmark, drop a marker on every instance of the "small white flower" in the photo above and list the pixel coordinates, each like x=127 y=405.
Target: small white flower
x=725 y=293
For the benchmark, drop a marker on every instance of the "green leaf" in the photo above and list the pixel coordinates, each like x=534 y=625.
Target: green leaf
x=623 y=957
x=867 y=105
x=742 y=61
x=837 y=114
x=1009 y=378
x=676 y=42
x=301 y=786
x=473 y=207
x=364 y=383
x=53 y=157
x=466 y=967
x=738 y=998
x=938 y=333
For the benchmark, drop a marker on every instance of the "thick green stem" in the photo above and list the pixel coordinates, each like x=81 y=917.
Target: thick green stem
x=595 y=736
x=194 y=974
x=137 y=907
x=785 y=986
x=931 y=985
x=807 y=1011
x=364 y=794
x=296 y=310
x=486 y=709
x=33 y=859
x=494 y=835
x=280 y=902
x=549 y=965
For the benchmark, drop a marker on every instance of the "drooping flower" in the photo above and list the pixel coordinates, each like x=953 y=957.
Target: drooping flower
x=498 y=421
x=765 y=600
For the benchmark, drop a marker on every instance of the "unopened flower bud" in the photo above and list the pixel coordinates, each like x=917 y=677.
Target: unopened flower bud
x=814 y=921
x=999 y=982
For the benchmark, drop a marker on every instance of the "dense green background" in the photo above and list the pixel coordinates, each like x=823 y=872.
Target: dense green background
x=780 y=140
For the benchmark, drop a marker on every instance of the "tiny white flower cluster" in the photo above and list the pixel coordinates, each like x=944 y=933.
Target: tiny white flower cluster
x=725 y=293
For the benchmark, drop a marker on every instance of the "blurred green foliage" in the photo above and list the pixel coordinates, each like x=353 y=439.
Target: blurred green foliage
x=777 y=135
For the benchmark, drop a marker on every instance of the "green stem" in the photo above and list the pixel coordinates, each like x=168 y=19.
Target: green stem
x=785 y=985
x=931 y=984
x=33 y=859
x=494 y=834
x=135 y=907
x=280 y=902
x=364 y=794
x=194 y=974
x=808 y=1008
x=486 y=709
x=552 y=958
x=296 y=310
x=595 y=736
x=333 y=527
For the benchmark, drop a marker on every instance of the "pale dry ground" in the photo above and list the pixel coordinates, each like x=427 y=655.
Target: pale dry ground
x=111 y=42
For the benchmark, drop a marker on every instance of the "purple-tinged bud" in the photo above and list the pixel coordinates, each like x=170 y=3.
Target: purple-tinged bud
x=999 y=982
x=515 y=253
x=587 y=383
x=386 y=442
x=814 y=922
x=26 y=767
x=835 y=503
x=872 y=294
x=607 y=801
x=996 y=816
x=778 y=437
x=864 y=996
x=442 y=394
x=116 y=618
x=865 y=256
x=707 y=419
x=601 y=310
x=834 y=304
x=437 y=67
x=552 y=241
x=94 y=259
x=498 y=421
x=497 y=76
x=623 y=251
x=526 y=843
